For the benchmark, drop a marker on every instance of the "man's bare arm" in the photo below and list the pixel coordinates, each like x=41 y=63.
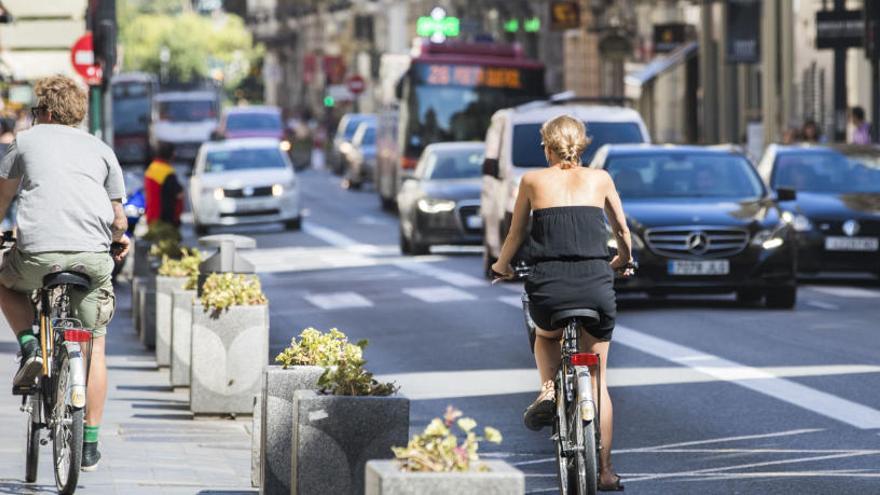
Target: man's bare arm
x=120 y=221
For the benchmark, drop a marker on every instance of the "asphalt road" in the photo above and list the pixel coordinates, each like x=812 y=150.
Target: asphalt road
x=710 y=397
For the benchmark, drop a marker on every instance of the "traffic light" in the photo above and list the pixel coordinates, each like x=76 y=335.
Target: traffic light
x=329 y=101
x=102 y=22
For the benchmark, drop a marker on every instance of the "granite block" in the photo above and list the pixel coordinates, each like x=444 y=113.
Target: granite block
x=334 y=436
x=256 y=439
x=228 y=353
x=276 y=398
x=165 y=286
x=141 y=258
x=136 y=284
x=181 y=336
x=384 y=477
x=147 y=312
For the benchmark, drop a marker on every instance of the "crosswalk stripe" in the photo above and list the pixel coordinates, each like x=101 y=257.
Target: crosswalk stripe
x=339 y=300
x=448 y=276
x=515 y=301
x=439 y=294
x=855 y=292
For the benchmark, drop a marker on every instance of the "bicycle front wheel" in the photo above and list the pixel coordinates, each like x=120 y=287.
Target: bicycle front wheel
x=67 y=431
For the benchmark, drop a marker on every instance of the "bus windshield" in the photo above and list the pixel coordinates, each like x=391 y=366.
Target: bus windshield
x=455 y=102
x=131 y=115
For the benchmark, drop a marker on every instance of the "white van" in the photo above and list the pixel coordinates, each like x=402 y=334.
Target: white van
x=513 y=147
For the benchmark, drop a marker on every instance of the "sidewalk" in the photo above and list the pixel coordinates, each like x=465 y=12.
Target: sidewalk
x=150 y=443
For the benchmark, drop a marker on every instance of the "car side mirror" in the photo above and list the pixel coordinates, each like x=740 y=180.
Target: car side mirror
x=786 y=194
x=490 y=167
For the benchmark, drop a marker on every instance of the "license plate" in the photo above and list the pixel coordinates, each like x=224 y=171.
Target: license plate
x=687 y=267
x=248 y=206
x=474 y=222
x=852 y=244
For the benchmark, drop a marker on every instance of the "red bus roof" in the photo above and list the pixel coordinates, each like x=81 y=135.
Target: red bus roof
x=486 y=54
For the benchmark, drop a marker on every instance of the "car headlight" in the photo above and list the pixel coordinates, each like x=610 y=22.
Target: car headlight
x=429 y=205
x=218 y=193
x=799 y=222
x=285 y=145
x=768 y=239
x=277 y=190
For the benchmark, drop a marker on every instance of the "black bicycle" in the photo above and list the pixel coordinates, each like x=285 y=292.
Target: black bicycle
x=56 y=400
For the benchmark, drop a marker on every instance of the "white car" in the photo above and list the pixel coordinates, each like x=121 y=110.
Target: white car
x=513 y=147
x=184 y=120
x=244 y=181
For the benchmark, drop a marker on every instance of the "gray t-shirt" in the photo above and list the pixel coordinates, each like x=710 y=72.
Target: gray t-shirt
x=68 y=178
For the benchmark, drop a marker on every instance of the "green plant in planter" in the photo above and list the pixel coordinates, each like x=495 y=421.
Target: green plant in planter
x=348 y=376
x=224 y=290
x=315 y=348
x=437 y=449
x=186 y=266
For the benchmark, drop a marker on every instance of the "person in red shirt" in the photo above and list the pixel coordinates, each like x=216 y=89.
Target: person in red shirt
x=163 y=193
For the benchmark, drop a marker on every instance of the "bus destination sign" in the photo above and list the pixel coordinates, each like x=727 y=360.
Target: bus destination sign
x=471 y=76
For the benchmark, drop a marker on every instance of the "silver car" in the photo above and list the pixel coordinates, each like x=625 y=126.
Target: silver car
x=244 y=181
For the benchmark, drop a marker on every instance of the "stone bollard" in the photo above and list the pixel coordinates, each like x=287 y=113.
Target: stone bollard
x=147 y=313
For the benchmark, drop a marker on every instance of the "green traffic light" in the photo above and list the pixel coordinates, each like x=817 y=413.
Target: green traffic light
x=511 y=26
x=329 y=101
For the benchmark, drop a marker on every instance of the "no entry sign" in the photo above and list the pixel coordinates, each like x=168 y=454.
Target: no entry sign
x=356 y=84
x=82 y=57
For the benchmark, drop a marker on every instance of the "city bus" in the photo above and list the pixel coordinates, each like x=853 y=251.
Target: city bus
x=449 y=93
x=132 y=96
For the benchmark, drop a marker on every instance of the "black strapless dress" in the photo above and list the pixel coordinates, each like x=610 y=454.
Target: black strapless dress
x=569 y=252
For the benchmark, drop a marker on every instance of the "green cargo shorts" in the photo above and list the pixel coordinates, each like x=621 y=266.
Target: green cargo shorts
x=24 y=272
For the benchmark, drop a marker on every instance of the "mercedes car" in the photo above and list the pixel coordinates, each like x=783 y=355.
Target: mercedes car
x=837 y=210
x=702 y=221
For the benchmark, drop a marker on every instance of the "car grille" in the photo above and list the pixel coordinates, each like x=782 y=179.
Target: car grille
x=252 y=192
x=252 y=213
x=466 y=211
x=697 y=241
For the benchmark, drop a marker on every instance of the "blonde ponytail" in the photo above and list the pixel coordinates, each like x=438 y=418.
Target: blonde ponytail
x=567 y=137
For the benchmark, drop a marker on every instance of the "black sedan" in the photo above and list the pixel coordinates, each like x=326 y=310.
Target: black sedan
x=440 y=203
x=701 y=222
x=837 y=210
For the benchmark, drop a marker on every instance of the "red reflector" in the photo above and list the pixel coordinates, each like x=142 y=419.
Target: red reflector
x=584 y=359
x=408 y=163
x=77 y=335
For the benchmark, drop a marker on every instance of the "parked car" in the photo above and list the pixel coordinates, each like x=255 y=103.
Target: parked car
x=348 y=124
x=513 y=147
x=244 y=181
x=440 y=202
x=360 y=159
x=702 y=221
x=837 y=210
x=185 y=120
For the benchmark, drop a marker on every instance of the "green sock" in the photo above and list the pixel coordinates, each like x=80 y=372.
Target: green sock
x=90 y=435
x=26 y=336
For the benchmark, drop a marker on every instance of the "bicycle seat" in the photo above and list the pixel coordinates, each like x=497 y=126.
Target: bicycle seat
x=75 y=279
x=586 y=317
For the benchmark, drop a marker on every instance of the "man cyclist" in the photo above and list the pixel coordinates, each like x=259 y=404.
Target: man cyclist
x=71 y=193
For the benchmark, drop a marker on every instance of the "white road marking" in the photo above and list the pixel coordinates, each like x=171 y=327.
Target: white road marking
x=448 y=276
x=724 y=440
x=339 y=300
x=339 y=240
x=847 y=292
x=823 y=305
x=755 y=379
x=515 y=301
x=439 y=294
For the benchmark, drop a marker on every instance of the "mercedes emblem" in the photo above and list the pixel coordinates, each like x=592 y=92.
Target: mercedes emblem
x=697 y=243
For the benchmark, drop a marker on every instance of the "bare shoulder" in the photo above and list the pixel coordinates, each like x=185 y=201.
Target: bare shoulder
x=532 y=176
x=598 y=174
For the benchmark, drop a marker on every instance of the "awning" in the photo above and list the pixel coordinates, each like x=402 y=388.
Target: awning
x=662 y=64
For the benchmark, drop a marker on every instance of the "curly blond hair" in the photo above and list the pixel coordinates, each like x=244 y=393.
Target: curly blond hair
x=63 y=98
x=567 y=138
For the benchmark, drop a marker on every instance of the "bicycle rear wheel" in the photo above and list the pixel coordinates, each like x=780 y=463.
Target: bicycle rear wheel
x=584 y=433
x=560 y=430
x=67 y=442
x=33 y=444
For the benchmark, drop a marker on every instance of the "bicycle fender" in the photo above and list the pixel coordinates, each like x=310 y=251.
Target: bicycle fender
x=585 y=393
x=76 y=388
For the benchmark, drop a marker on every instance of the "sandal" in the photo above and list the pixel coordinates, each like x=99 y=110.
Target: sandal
x=542 y=412
x=616 y=486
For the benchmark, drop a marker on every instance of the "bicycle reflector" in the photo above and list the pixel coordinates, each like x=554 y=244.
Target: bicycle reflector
x=77 y=335
x=584 y=359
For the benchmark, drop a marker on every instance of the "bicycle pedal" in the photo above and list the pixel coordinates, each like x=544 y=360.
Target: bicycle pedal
x=21 y=389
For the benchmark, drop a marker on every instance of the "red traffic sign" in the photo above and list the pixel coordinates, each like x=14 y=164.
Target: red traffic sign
x=356 y=84
x=82 y=56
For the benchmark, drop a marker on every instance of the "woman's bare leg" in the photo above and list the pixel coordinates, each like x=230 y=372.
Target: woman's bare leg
x=548 y=353
x=606 y=419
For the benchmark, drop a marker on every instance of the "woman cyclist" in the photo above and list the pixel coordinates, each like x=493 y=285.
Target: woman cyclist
x=568 y=247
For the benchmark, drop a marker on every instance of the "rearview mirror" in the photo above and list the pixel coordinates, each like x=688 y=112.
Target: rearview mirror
x=786 y=194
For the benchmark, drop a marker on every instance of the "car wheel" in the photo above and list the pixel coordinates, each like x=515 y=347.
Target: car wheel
x=295 y=224
x=419 y=249
x=782 y=297
x=749 y=296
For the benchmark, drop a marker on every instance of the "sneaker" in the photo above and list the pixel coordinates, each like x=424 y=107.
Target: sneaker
x=31 y=364
x=91 y=456
x=541 y=412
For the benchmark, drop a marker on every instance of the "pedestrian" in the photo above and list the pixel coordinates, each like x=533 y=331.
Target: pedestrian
x=790 y=136
x=163 y=194
x=69 y=213
x=567 y=240
x=810 y=132
x=861 y=133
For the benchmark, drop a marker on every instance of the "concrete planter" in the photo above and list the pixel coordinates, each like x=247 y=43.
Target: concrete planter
x=136 y=284
x=228 y=355
x=146 y=302
x=386 y=478
x=256 y=420
x=142 y=261
x=334 y=436
x=181 y=336
x=276 y=411
x=165 y=286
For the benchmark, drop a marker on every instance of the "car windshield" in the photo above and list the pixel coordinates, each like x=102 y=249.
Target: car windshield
x=253 y=122
x=454 y=164
x=244 y=159
x=827 y=171
x=527 y=150
x=369 y=137
x=351 y=126
x=187 y=110
x=131 y=115
x=683 y=175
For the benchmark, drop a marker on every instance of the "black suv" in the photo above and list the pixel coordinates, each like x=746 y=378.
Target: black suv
x=702 y=221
